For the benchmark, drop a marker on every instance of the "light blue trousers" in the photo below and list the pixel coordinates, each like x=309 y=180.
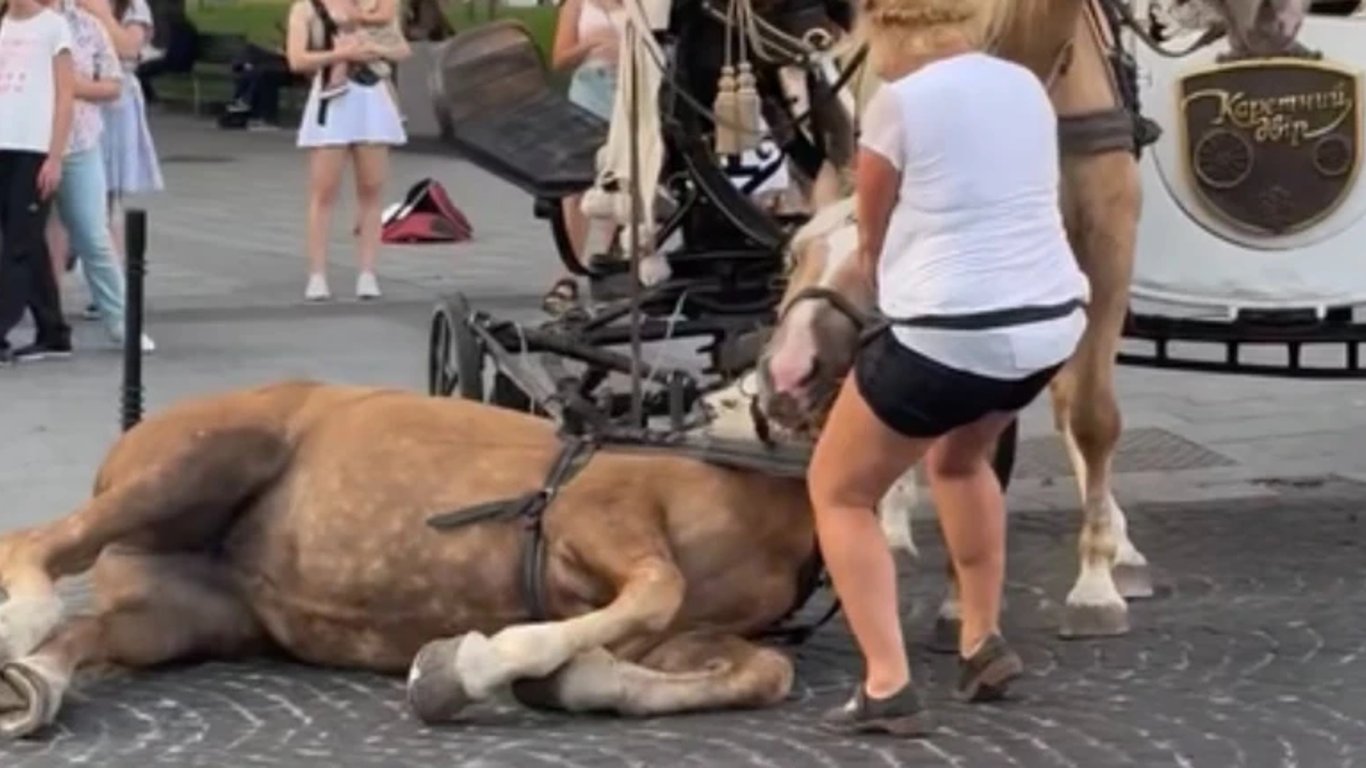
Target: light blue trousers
x=82 y=204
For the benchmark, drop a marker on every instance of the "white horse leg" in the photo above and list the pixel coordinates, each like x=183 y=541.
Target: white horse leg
x=1132 y=576
x=447 y=675
x=1095 y=606
x=689 y=673
x=895 y=510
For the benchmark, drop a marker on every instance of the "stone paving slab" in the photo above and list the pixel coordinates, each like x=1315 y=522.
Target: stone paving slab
x=1252 y=655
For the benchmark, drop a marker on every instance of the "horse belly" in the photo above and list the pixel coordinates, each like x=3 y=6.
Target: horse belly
x=341 y=567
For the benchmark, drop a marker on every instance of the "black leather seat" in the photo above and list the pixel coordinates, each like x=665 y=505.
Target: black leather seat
x=493 y=98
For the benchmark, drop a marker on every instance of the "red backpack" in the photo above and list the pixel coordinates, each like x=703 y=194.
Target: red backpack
x=426 y=215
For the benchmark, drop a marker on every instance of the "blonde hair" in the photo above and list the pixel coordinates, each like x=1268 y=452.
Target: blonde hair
x=895 y=28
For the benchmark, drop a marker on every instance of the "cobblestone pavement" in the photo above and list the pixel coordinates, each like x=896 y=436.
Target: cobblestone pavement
x=1253 y=654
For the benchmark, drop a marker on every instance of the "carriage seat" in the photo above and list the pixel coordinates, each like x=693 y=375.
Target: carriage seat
x=495 y=104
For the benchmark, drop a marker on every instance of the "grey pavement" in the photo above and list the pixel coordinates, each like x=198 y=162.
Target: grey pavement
x=1245 y=492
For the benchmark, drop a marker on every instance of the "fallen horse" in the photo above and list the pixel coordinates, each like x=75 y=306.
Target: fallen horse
x=297 y=517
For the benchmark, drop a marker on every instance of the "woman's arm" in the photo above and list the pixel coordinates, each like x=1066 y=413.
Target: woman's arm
x=878 y=176
x=63 y=74
x=107 y=85
x=86 y=89
x=296 y=44
x=128 y=39
x=877 y=184
x=569 y=51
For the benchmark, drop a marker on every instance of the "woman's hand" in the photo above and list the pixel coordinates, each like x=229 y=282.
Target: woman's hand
x=49 y=177
x=604 y=45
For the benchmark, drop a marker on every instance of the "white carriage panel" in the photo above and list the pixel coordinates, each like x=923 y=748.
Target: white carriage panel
x=1188 y=254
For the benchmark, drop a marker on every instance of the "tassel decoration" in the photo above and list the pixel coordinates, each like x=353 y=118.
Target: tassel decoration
x=746 y=110
x=727 y=138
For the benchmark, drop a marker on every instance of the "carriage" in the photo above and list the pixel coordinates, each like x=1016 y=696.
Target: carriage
x=1249 y=239
x=1250 y=243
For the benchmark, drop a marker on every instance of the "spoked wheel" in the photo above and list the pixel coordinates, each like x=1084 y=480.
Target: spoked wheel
x=455 y=358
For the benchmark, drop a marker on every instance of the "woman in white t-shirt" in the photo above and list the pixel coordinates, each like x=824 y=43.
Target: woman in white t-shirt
x=960 y=227
x=36 y=102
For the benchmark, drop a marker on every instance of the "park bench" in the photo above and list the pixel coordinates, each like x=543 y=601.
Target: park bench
x=213 y=64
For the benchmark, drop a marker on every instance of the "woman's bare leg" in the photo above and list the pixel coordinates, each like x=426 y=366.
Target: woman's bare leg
x=116 y=227
x=372 y=170
x=971 y=507
x=854 y=463
x=576 y=224
x=324 y=179
x=58 y=245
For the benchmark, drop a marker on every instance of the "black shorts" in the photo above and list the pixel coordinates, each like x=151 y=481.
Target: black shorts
x=920 y=397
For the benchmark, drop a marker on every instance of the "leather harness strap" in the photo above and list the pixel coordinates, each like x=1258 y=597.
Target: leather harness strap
x=574 y=454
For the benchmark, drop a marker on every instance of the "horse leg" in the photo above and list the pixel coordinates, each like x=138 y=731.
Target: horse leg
x=895 y=510
x=1101 y=198
x=1132 y=575
x=689 y=673
x=628 y=552
x=154 y=609
x=176 y=499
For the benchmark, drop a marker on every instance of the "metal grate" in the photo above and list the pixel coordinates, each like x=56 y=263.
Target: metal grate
x=1140 y=450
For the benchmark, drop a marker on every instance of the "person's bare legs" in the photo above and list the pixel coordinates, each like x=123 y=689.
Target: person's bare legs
x=855 y=461
x=116 y=228
x=576 y=224
x=58 y=245
x=971 y=507
x=324 y=179
x=372 y=170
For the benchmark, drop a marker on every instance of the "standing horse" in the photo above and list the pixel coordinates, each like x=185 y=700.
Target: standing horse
x=1070 y=45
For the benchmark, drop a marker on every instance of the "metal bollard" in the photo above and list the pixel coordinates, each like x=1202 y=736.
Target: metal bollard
x=135 y=248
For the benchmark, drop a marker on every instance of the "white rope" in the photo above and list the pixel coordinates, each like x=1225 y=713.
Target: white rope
x=672 y=320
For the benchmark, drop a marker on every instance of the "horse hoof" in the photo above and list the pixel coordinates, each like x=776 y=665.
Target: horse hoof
x=27 y=701
x=944 y=637
x=1096 y=620
x=25 y=622
x=435 y=692
x=1134 y=582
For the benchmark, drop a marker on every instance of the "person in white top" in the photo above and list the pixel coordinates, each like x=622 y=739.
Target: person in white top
x=586 y=46
x=359 y=124
x=36 y=103
x=961 y=232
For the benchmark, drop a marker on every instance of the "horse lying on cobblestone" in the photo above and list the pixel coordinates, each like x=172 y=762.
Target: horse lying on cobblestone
x=295 y=518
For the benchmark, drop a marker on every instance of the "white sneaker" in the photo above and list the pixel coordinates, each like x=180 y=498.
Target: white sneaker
x=116 y=336
x=367 y=286
x=317 y=289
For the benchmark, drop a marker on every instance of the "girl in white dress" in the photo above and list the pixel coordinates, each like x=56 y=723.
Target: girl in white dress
x=360 y=123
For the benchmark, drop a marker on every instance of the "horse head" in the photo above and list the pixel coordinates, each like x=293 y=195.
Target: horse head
x=821 y=314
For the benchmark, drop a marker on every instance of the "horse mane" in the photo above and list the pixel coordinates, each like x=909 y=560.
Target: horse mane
x=1034 y=33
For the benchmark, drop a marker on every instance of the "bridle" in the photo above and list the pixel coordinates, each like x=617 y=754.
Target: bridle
x=862 y=321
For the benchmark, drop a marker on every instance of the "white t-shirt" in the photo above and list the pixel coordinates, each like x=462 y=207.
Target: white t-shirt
x=27 y=92
x=977 y=225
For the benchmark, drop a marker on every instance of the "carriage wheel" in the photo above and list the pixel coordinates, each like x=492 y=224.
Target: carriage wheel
x=1003 y=462
x=455 y=356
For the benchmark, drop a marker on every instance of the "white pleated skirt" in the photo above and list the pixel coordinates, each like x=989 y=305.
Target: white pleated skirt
x=363 y=114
